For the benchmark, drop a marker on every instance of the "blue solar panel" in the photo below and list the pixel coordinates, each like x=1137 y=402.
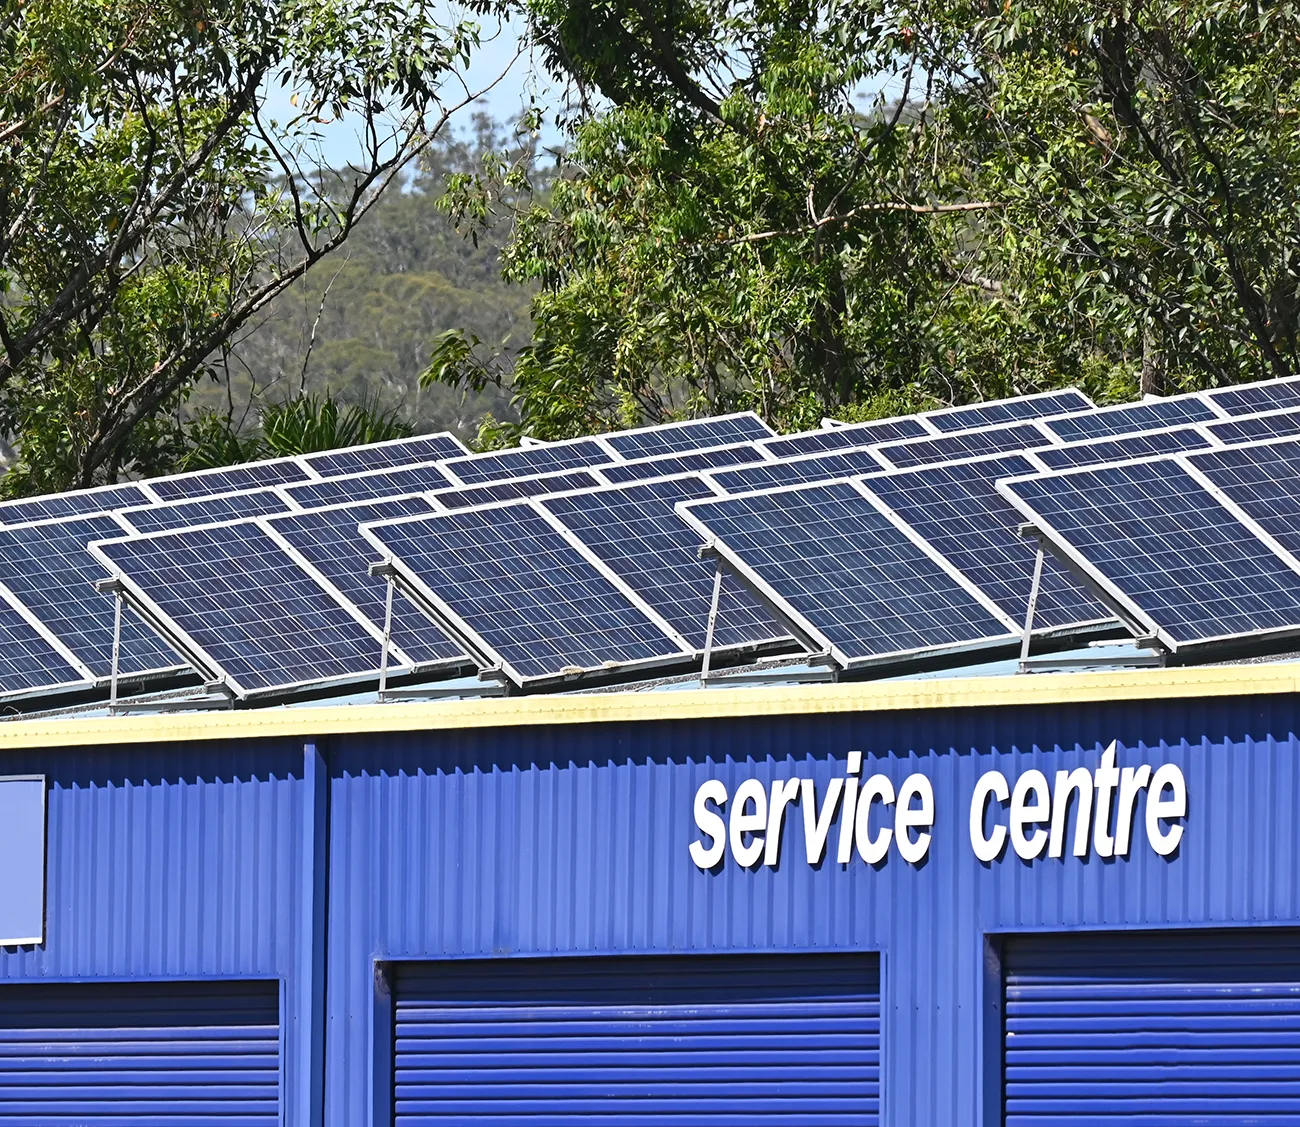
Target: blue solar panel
x=526 y=461
x=1009 y=410
x=691 y=462
x=843 y=438
x=210 y=510
x=385 y=455
x=957 y=509
x=673 y=438
x=1153 y=415
x=1255 y=428
x=232 y=479
x=1121 y=449
x=367 y=487
x=47 y=568
x=796 y=471
x=514 y=488
x=966 y=444
x=636 y=532
x=329 y=540
x=28 y=662
x=80 y=503
x=1249 y=399
x=847 y=575
x=241 y=605
x=523 y=595
x=1166 y=549
x=1264 y=481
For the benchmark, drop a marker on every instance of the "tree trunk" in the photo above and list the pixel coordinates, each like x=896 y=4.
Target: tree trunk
x=1152 y=379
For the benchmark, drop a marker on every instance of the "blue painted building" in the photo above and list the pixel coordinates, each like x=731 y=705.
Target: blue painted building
x=491 y=911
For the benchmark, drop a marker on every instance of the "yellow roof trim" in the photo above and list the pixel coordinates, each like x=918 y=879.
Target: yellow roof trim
x=877 y=696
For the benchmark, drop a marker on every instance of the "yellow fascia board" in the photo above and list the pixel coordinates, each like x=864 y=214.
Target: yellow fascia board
x=605 y=708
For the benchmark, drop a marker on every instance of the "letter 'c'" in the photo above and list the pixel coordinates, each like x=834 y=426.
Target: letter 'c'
x=990 y=783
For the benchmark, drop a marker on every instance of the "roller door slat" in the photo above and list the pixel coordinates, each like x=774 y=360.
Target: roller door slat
x=1163 y=1031
x=710 y=1042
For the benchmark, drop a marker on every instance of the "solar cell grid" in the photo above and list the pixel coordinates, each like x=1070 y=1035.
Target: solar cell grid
x=844 y=437
x=957 y=509
x=523 y=595
x=690 y=462
x=1147 y=444
x=367 y=487
x=48 y=569
x=78 y=503
x=964 y=444
x=330 y=541
x=796 y=471
x=28 y=662
x=636 y=532
x=386 y=455
x=525 y=461
x=1156 y=414
x=1263 y=481
x=1254 y=428
x=1247 y=399
x=236 y=597
x=232 y=479
x=1166 y=549
x=672 y=438
x=845 y=573
x=210 y=510
x=514 y=488
x=1008 y=410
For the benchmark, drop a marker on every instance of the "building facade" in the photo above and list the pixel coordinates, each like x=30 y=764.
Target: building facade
x=1004 y=900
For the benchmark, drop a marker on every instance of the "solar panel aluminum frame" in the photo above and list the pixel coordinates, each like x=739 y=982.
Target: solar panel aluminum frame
x=653 y=427
x=492 y=665
x=208 y=667
x=304 y=459
x=1072 y=629
x=408 y=665
x=1212 y=394
x=148 y=483
x=709 y=475
x=434 y=496
x=1113 y=408
x=809 y=635
x=123 y=516
x=927 y=417
x=1032 y=452
x=1141 y=624
x=598 y=439
x=285 y=491
x=775 y=644
x=881 y=449
x=760 y=456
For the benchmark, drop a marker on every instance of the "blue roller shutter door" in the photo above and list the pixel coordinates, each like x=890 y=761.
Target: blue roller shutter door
x=175 y=1054
x=1153 y=1028
x=634 y=1042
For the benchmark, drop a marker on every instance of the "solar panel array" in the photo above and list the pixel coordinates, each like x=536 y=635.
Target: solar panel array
x=561 y=561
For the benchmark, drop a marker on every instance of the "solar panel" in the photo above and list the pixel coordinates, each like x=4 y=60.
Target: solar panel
x=1155 y=414
x=329 y=541
x=522 y=596
x=1263 y=481
x=1178 y=562
x=515 y=488
x=963 y=444
x=847 y=576
x=29 y=662
x=1009 y=410
x=231 y=479
x=796 y=471
x=1249 y=399
x=672 y=438
x=690 y=462
x=957 y=509
x=368 y=486
x=1145 y=444
x=385 y=455
x=526 y=461
x=81 y=502
x=210 y=510
x=636 y=532
x=243 y=609
x=47 y=568
x=1254 y=428
x=844 y=437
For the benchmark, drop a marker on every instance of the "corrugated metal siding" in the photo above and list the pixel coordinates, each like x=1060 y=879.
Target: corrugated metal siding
x=1153 y=1029
x=524 y=842
x=140 y=1054
x=716 y=1042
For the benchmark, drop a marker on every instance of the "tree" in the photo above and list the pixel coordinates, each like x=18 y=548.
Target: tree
x=1027 y=196
x=152 y=205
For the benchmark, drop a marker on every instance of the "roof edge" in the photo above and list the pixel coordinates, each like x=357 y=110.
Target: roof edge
x=794 y=700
